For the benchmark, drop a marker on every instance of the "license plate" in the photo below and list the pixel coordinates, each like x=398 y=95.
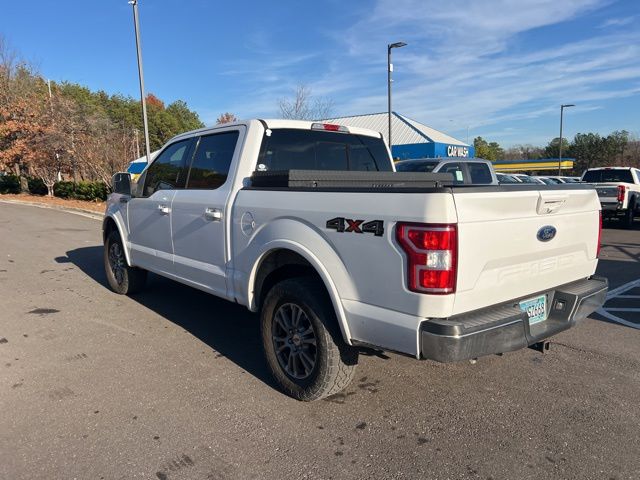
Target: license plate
x=536 y=309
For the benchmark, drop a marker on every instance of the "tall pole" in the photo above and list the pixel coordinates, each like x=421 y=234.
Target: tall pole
x=134 y=4
x=389 y=67
x=389 y=80
x=562 y=107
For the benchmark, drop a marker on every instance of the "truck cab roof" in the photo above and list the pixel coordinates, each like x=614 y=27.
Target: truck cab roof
x=283 y=123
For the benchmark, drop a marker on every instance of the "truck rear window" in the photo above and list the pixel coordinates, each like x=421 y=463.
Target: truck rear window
x=290 y=148
x=603 y=176
x=416 y=166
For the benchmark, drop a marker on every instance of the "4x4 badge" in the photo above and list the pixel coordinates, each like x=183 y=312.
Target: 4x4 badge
x=347 y=225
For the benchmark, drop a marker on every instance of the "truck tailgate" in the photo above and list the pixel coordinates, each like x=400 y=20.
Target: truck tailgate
x=608 y=194
x=501 y=256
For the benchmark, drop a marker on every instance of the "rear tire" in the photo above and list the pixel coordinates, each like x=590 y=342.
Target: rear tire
x=122 y=278
x=628 y=216
x=302 y=342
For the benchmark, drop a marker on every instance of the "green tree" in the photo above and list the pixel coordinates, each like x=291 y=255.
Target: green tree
x=552 y=150
x=616 y=142
x=589 y=150
x=489 y=151
x=187 y=119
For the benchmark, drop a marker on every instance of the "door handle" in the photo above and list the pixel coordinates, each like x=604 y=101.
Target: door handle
x=213 y=214
x=164 y=210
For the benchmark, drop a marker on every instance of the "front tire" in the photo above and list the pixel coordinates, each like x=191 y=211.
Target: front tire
x=122 y=278
x=302 y=342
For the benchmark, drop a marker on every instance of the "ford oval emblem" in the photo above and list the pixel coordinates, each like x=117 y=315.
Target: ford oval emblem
x=546 y=233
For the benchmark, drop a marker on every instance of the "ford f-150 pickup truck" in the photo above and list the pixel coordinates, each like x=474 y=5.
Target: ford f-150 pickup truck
x=619 y=191
x=309 y=225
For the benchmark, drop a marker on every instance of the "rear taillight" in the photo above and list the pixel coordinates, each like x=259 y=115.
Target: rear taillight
x=622 y=189
x=599 y=233
x=432 y=256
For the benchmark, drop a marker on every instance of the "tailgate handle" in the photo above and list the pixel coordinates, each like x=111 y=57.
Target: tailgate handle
x=547 y=205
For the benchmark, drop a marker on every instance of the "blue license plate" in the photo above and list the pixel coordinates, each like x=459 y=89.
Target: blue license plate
x=536 y=309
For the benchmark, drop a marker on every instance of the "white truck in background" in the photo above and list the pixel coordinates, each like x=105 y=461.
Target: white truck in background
x=309 y=225
x=619 y=191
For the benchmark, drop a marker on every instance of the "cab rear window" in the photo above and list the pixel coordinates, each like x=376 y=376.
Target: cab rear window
x=597 y=176
x=289 y=148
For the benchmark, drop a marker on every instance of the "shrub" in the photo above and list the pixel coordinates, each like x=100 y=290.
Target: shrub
x=9 y=184
x=37 y=186
x=63 y=189
x=91 y=191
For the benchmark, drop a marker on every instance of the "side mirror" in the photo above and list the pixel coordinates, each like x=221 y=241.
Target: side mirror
x=122 y=183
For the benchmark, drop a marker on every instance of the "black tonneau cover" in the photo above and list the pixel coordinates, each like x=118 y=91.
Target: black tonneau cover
x=350 y=179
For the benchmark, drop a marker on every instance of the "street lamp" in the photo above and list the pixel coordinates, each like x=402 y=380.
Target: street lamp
x=562 y=107
x=389 y=70
x=134 y=4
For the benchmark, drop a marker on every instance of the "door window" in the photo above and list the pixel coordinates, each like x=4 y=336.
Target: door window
x=168 y=171
x=210 y=166
x=454 y=169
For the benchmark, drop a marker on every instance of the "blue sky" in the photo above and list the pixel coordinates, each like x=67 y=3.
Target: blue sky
x=499 y=67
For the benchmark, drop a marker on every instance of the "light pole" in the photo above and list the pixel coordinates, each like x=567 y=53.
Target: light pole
x=389 y=70
x=134 y=4
x=562 y=107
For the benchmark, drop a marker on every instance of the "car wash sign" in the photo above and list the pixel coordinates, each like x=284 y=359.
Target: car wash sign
x=457 y=151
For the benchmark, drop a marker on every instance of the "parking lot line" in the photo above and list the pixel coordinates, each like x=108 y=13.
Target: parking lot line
x=622 y=288
x=619 y=293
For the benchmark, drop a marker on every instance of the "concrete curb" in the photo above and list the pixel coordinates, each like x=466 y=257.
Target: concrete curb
x=76 y=211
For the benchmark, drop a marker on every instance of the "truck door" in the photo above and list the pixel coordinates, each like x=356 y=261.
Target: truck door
x=150 y=214
x=199 y=212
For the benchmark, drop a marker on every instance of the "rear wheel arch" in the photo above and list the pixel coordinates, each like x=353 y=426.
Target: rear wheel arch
x=280 y=264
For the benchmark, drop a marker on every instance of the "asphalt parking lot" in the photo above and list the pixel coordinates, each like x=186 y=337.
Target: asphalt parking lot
x=170 y=384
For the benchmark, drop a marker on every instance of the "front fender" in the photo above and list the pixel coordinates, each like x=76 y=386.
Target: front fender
x=116 y=211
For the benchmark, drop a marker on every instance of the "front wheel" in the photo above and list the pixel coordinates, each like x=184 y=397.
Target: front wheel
x=302 y=342
x=122 y=278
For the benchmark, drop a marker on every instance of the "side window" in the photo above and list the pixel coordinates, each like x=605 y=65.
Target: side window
x=168 y=171
x=212 y=160
x=479 y=173
x=454 y=169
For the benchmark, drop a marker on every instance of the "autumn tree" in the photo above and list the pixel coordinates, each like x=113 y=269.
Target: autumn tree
x=75 y=132
x=226 y=118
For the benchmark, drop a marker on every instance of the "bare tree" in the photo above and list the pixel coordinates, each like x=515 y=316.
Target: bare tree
x=226 y=117
x=303 y=106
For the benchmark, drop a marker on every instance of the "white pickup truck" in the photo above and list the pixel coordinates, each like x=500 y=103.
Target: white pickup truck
x=308 y=224
x=619 y=191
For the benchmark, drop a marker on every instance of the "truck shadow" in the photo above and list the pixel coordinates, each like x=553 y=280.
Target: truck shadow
x=227 y=328
x=617 y=224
